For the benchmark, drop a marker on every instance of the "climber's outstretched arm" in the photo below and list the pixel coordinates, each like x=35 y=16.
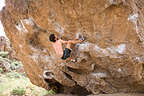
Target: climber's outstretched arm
x=75 y=41
x=71 y=41
x=64 y=42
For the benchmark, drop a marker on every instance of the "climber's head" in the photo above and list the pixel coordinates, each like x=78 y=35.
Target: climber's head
x=53 y=38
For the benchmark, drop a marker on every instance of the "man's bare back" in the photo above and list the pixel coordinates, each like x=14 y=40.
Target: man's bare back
x=58 y=48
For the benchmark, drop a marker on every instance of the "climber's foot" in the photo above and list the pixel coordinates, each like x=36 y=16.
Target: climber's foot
x=73 y=60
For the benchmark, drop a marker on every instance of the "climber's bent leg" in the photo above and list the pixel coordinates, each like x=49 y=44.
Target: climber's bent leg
x=67 y=52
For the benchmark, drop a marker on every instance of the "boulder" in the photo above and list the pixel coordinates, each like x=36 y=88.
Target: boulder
x=111 y=58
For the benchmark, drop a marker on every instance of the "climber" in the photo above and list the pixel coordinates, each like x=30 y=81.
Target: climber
x=57 y=44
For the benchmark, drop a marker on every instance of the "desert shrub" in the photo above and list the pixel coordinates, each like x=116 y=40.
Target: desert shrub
x=1 y=70
x=5 y=59
x=16 y=65
x=3 y=53
x=18 y=91
x=51 y=92
x=13 y=75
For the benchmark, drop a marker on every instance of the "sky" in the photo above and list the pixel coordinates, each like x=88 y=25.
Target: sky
x=2 y=4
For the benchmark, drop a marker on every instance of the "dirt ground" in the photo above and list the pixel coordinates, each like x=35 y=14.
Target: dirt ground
x=116 y=94
x=121 y=94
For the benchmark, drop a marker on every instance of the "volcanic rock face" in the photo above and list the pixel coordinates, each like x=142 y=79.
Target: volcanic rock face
x=109 y=60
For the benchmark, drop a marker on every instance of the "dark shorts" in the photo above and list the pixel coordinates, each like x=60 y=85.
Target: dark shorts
x=66 y=53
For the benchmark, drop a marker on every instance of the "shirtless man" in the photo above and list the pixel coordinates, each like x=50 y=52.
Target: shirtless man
x=57 y=44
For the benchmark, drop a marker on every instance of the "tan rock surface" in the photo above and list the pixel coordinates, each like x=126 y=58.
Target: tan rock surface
x=109 y=60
